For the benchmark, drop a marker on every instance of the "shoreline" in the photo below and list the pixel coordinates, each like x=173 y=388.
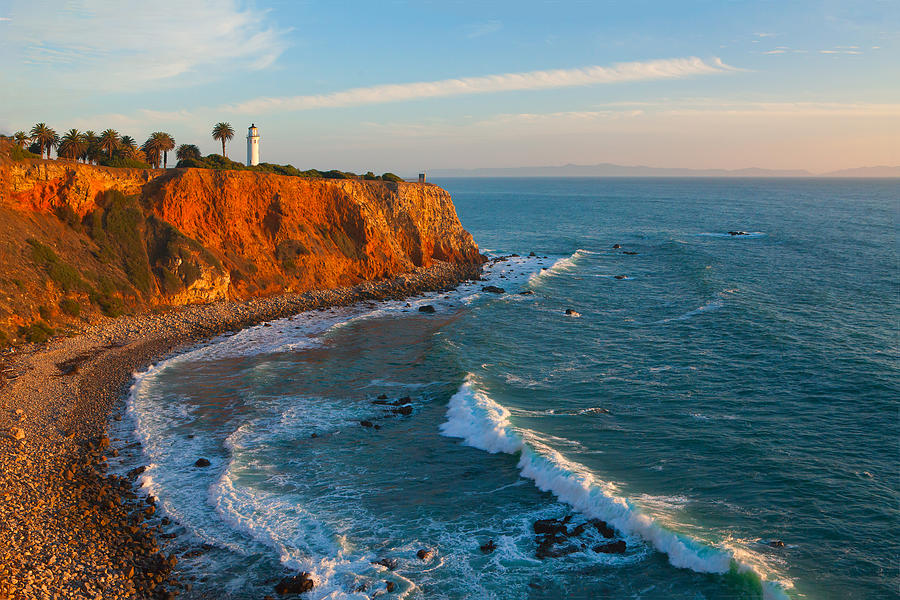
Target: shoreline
x=69 y=530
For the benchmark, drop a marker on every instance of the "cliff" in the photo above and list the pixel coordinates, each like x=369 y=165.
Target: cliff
x=77 y=241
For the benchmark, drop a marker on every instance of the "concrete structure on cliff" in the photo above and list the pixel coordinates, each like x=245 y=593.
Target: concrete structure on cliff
x=252 y=146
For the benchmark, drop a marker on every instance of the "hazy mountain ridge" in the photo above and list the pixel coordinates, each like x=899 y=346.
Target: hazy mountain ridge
x=613 y=170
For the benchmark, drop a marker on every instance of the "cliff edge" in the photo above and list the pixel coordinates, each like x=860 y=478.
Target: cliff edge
x=79 y=241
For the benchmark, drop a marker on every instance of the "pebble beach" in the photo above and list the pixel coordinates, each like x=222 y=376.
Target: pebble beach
x=70 y=529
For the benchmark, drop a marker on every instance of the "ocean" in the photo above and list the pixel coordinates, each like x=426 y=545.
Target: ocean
x=725 y=404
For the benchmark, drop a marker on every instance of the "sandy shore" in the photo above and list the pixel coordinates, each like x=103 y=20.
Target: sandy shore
x=67 y=528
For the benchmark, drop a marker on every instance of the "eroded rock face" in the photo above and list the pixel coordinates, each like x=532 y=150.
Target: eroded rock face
x=209 y=235
x=275 y=233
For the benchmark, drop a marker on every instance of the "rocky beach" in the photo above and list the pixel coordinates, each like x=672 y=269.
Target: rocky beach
x=70 y=529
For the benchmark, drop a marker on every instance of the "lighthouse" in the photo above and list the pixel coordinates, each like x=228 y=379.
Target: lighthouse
x=252 y=146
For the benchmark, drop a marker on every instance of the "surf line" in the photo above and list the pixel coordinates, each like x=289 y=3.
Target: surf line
x=484 y=424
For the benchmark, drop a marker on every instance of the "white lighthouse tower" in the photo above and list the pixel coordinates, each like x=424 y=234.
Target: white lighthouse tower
x=252 y=146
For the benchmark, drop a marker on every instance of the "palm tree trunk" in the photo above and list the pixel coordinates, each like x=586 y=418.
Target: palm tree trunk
x=165 y=160
x=223 y=148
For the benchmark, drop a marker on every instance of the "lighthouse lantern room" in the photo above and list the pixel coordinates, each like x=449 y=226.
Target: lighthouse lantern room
x=252 y=146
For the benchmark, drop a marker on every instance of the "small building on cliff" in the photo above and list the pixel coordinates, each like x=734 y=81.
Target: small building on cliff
x=252 y=146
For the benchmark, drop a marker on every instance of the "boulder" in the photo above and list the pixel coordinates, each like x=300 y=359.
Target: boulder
x=602 y=528
x=17 y=433
x=616 y=246
x=493 y=289
x=617 y=547
x=776 y=544
x=296 y=584
x=389 y=586
x=403 y=410
x=202 y=462
x=526 y=293
x=425 y=554
x=136 y=471
x=530 y=254
x=549 y=527
x=488 y=547
x=572 y=313
x=429 y=309
x=621 y=277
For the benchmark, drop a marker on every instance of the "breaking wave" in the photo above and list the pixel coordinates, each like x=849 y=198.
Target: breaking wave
x=485 y=424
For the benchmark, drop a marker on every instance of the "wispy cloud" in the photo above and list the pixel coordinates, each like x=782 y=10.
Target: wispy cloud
x=484 y=28
x=97 y=44
x=675 y=68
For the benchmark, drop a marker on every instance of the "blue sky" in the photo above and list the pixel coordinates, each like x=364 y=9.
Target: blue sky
x=406 y=86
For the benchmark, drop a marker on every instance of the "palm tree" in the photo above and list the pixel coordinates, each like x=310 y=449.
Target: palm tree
x=20 y=138
x=186 y=151
x=109 y=141
x=128 y=142
x=72 y=145
x=45 y=136
x=166 y=143
x=91 y=152
x=223 y=132
x=153 y=150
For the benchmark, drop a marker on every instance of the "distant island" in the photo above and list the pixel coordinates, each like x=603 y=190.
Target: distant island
x=612 y=170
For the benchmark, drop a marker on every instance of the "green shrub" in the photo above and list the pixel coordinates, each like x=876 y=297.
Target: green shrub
x=38 y=332
x=67 y=215
x=116 y=227
x=66 y=276
x=70 y=307
x=109 y=305
x=20 y=154
x=123 y=162
x=391 y=177
x=169 y=282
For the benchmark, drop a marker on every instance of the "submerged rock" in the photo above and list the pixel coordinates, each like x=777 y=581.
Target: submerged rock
x=617 y=547
x=616 y=246
x=493 y=289
x=388 y=563
x=488 y=547
x=621 y=277
x=572 y=313
x=202 y=462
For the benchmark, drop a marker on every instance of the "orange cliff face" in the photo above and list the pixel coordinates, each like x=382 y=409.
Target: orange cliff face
x=277 y=233
x=195 y=235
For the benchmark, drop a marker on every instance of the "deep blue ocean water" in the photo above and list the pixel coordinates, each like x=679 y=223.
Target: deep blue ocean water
x=728 y=393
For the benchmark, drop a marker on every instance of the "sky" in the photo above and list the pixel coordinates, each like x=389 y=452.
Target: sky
x=407 y=86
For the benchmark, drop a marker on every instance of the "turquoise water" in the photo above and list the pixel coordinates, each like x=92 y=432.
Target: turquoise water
x=727 y=393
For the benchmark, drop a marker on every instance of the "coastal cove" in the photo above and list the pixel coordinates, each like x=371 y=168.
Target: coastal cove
x=666 y=391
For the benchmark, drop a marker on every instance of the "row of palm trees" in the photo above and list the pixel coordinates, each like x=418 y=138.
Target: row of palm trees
x=89 y=147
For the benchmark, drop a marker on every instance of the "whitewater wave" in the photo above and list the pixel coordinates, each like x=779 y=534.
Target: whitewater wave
x=559 y=267
x=485 y=424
